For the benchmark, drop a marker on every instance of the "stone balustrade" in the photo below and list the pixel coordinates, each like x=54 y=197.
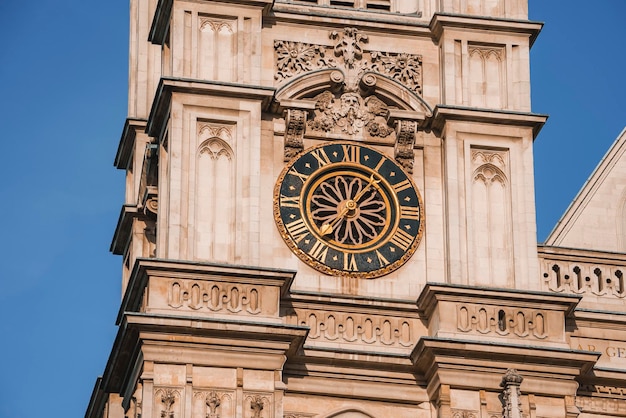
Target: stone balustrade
x=582 y=272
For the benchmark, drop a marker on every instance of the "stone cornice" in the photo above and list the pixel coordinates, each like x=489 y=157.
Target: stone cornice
x=123 y=229
x=441 y=21
x=239 y=337
x=167 y=86
x=433 y=293
x=372 y=21
x=581 y=255
x=97 y=401
x=442 y=360
x=126 y=146
x=445 y=113
x=146 y=267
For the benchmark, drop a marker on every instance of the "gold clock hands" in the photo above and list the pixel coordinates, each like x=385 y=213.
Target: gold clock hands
x=351 y=204
x=365 y=189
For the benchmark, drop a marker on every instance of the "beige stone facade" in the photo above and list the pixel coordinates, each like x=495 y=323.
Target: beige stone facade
x=226 y=312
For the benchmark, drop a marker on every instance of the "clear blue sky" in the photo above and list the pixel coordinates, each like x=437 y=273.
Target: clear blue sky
x=64 y=73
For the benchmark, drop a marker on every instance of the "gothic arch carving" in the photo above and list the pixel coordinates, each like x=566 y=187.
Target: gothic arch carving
x=215 y=195
x=349 y=413
x=490 y=218
x=309 y=85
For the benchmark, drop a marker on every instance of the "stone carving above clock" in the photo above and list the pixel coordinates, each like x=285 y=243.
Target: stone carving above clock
x=348 y=54
x=350 y=114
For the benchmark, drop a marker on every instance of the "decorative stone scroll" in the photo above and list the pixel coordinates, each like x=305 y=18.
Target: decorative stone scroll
x=195 y=294
x=348 y=54
x=511 y=395
x=405 y=143
x=484 y=319
x=355 y=328
x=295 y=126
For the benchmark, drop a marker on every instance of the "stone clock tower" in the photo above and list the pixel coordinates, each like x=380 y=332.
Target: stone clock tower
x=330 y=213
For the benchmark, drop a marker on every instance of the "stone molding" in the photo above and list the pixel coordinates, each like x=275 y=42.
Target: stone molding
x=205 y=287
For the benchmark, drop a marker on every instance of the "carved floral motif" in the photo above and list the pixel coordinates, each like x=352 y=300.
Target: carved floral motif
x=355 y=328
x=195 y=294
x=257 y=406
x=350 y=55
x=501 y=321
x=166 y=398
x=213 y=404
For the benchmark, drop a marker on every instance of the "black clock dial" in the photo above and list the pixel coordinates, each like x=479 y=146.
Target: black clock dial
x=348 y=210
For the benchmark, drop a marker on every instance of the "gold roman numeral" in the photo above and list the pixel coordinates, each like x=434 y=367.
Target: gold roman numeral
x=297 y=229
x=380 y=164
x=351 y=153
x=410 y=212
x=295 y=173
x=321 y=156
x=382 y=260
x=403 y=185
x=290 y=201
x=402 y=239
x=319 y=251
x=349 y=262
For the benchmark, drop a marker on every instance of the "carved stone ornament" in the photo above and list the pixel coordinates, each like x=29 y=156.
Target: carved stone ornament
x=168 y=397
x=295 y=126
x=511 y=395
x=350 y=56
x=350 y=114
x=212 y=403
x=405 y=142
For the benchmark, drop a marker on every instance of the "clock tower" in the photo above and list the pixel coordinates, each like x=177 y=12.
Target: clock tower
x=330 y=213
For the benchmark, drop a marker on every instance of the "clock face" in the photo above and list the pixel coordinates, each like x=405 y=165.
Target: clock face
x=348 y=210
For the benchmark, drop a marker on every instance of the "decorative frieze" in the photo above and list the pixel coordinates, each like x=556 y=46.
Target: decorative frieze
x=463 y=413
x=580 y=277
x=502 y=321
x=601 y=405
x=213 y=296
x=342 y=327
x=348 y=54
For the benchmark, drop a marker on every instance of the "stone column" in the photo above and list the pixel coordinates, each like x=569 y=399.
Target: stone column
x=511 y=394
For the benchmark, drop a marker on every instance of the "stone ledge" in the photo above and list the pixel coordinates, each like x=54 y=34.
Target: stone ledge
x=445 y=113
x=167 y=85
x=441 y=21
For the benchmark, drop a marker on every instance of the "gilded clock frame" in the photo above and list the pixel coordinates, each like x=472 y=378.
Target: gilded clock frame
x=351 y=167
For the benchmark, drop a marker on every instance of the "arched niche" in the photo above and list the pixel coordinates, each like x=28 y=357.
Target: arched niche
x=349 y=413
x=307 y=86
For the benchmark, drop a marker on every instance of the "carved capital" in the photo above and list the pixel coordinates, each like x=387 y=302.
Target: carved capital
x=405 y=142
x=295 y=126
